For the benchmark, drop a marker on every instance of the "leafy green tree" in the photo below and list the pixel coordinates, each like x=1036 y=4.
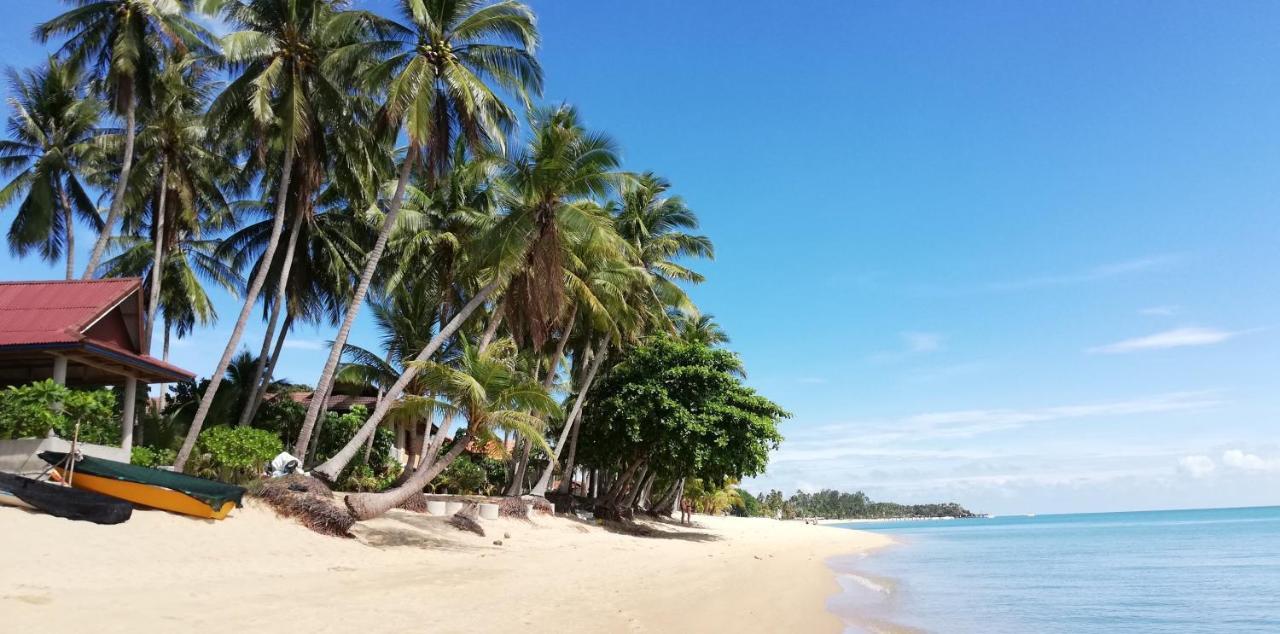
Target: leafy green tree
x=50 y=147
x=680 y=410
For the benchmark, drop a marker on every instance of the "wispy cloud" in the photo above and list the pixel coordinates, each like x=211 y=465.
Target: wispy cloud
x=922 y=341
x=1160 y=311
x=1095 y=274
x=1176 y=338
x=1239 y=459
x=305 y=344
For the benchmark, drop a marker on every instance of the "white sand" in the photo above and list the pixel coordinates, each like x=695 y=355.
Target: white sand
x=408 y=572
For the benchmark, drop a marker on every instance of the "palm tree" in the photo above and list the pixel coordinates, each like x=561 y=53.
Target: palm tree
x=489 y=390
x=280 y=87
x=700 y=329
x=126 y=42
x=654 y=223
x=549 y=187
x=51 y=131
x=440 y=79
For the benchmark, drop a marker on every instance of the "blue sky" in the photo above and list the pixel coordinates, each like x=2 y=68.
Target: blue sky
x=1018 y=255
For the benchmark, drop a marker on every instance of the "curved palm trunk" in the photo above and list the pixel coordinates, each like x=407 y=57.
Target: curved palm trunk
x=250 y=299
x=69 y=229
x=260 y=367
x=157 y=260
x=570 y=423
x=566 y=483
x=330 y=469
x=363 y=506
x=362 y=288
x=117 y=197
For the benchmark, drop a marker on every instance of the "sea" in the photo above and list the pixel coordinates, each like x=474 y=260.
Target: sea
x=1205 y=571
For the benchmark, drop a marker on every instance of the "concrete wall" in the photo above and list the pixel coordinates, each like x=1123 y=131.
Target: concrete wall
x=21 y=456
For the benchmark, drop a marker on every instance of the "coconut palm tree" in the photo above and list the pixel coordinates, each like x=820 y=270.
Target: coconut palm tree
x=125 y=43
x=654 y=223
x=282 y=88
x=701 y=329
x=440 y=76
x=550 y=188
x=490 y=391
x=49 y=147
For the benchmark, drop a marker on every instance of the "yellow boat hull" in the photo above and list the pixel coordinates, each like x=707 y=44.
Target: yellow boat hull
x=147 y=495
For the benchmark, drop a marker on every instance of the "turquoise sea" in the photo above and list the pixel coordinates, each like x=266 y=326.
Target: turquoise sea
x=1210 y=571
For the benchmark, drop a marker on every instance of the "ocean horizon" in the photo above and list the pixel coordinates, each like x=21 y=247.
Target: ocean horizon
x=1202 y=570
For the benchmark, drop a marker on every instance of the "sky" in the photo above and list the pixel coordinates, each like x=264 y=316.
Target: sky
x=1024 y=256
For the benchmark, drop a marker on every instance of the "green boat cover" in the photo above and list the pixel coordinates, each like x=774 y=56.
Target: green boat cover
x=215 y=494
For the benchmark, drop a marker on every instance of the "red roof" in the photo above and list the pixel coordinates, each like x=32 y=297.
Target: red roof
x=56 y=312
x=62 y=314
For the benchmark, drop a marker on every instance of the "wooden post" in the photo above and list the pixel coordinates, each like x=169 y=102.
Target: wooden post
x=126 y=424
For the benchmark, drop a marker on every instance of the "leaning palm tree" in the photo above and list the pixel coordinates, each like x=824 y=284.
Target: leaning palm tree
x=125 y=42
x=551 y=187
x=280 y=88
x=440 y=80
x=49 y=147
x=490 y=391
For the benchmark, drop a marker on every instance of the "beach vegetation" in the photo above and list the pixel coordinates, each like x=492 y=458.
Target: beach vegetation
x=235 y=454
x=35 y=409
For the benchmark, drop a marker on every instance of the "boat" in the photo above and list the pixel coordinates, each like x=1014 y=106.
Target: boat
x=62 y=501
x=154 y=488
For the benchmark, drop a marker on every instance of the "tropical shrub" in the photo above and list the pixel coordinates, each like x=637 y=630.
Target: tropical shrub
x=149 y=457
x=234 y=454
x=31 y=411
x=463 y=477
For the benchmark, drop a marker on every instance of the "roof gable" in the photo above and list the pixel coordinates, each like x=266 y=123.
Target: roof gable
x=61 y=312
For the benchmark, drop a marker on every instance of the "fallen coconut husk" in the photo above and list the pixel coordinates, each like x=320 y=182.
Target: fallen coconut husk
x=467 y=519
x=306 y=499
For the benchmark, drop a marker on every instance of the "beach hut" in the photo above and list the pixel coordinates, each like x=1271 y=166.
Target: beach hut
x=80 y=334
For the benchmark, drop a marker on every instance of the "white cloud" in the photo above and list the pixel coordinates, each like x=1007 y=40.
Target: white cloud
x=1176 y=338
x=1159 y=311
x=1097 y=273
x=1248 y=462
x=305 y=344
x=923 y=341
x=1197 y=466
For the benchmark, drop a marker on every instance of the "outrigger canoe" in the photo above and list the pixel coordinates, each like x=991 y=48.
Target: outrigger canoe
x=62 y=501
x=164 y=490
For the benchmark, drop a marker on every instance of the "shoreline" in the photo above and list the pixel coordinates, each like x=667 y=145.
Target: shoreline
x=407 y=570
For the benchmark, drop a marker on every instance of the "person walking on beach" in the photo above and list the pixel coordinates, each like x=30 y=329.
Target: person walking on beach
x=686 y=511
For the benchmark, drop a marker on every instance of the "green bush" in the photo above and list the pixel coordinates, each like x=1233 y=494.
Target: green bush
x=30 y=411
x=148 y=457
x=463 y=477
x=234 y=454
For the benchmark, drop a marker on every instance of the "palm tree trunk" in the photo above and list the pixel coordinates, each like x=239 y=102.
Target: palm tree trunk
x=157 y=260
x=491 y=329
x=566 y=484
x=362 y=288
x=516 y=486
x=250 y=299
x=259 y=369
x=571 y=422
x=69 y=229
x=261 y=390
x=117 y=198
x=365 y=506
x=334 y=466
x=165 y=358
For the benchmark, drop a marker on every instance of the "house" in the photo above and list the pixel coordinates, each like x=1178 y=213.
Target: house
x=80 y=334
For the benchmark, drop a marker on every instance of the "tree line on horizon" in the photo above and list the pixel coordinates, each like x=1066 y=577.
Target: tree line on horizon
x=834 y=504
x=319 y=161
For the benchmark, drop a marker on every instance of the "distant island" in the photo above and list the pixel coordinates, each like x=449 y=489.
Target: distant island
x=833 y=504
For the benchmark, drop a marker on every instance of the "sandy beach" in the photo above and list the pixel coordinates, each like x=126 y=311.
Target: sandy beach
x=161 y=572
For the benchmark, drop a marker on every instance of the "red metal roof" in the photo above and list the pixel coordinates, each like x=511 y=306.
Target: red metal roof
x=59 y=313
x=56 y=312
